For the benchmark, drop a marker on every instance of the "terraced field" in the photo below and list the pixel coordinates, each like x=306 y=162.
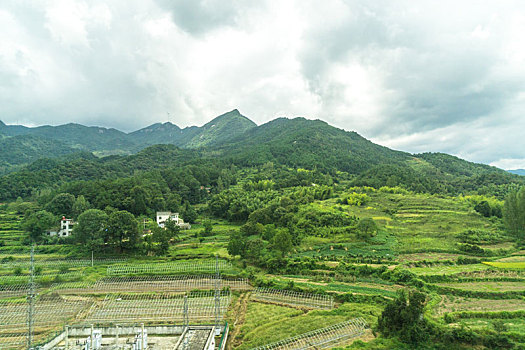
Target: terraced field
x=515 y=325
x=451 y=303
x=448 y=269
x=10 y=230
x=487 y=286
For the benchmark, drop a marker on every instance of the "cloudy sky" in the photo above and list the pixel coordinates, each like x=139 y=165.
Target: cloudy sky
x=417 y=76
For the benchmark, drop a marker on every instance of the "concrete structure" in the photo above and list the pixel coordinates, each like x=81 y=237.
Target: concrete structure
x=94 y=341
x=66 y=228
x=163 y=216
x=128 y=337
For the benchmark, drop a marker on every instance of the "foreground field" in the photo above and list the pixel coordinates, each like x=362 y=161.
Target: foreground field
x=420 y=245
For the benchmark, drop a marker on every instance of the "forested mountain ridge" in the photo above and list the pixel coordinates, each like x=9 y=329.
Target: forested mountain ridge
x=24 y=149
x=104 y=141
x=77 y=136
x=157 y=133
x=222 y=129
x=217 y=131
x=311 y=144
x=287 y=143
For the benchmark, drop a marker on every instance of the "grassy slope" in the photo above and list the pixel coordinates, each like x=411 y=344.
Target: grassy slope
x=409 y=223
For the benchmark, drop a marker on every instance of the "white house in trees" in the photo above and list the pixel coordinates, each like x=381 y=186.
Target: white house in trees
x=66 y=228
x=163 y=216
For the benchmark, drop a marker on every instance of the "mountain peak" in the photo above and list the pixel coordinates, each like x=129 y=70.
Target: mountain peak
x=221 y=129
x=233 y=117
x=2 y=124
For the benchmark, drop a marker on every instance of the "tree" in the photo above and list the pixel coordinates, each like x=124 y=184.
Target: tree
x=61 y=204
x=208 y=228
x=252 y=229
x=189 y=214
x=236 y=244
x=514 y=213
x=90 y=230
x=123 y=231
x=173 y=202
x=138 y=201
x=269 y=232
x=37 y=223
x=282 y=242
x=366 y=228
x=172 y=229
x=159 y=241
x=254 y=250
x=483 y=208
x=403 y=317
x=80 y=206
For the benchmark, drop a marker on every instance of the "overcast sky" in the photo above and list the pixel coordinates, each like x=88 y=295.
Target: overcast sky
x=445 y=76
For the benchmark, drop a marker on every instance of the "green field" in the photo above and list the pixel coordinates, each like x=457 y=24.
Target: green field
x=488 y=286
x=419 y=235
x=513 y=325
x=507 y=265
x=448 y=269
x=269 y=323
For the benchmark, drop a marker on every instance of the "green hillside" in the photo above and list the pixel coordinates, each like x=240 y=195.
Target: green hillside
x=219 y=130
x=310 y=144
x=288 y=143
x=16 y=151
x=159 y=133
x=222 y=129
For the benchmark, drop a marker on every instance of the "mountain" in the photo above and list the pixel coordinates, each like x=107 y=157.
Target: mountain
x=23 y=149
x=159 y=133
x=93 y=139
x=310 y=144
x=13 y=130
x=221 y=129
x=517 y=172
x=232 y=138
x=457 y=166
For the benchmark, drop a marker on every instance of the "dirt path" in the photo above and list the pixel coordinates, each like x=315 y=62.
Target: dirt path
x=240 y=316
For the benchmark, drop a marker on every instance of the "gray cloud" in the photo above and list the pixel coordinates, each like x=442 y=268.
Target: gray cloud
x=417 y=76
x=201 y=16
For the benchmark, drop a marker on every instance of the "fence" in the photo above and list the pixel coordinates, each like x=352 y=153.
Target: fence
x=165 y=308
x=139 y=284
x=323 y=338
x=49 y=314
x=300 y=299
x=171 y=267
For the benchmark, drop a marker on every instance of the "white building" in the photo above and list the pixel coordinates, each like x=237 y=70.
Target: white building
x=163 y=216
x=66 y=228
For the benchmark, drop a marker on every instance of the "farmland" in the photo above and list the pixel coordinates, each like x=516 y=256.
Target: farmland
x=419 y=242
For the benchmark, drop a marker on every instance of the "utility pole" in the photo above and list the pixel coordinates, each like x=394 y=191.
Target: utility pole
x=217 y=296
x=185 y=324
x=143 y=345
x=31 y=300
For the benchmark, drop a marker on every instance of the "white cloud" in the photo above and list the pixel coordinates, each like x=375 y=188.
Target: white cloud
x=416 y=76
x=509 y=164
